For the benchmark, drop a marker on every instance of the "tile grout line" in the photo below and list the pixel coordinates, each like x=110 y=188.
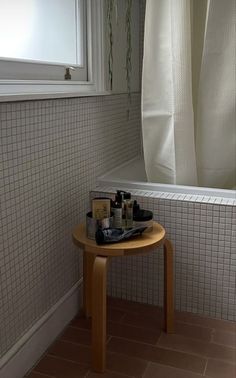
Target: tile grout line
x=133 y=357
x=221 y=329
x=121 y=322
x=148 y=364
x=197 y=354
x=135 y=326
x=108 y=339
x=66 y=359
x=212 y=335
x=163 y=347
x=195 y=325
x=186 y=353
x=204 y=372
x=122 y=318
x=187 y=322
x=157 y=343
x=42 y=374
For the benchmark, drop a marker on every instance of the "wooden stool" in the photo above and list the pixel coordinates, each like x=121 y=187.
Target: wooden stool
x=95 y=262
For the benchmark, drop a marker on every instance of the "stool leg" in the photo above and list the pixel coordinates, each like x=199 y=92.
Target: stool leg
x=99 y=314
x=88 y=261
x=168 y=287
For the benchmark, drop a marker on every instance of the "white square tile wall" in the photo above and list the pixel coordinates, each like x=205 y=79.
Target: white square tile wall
x=51 y=152
x=204 y=239
x=50 y=155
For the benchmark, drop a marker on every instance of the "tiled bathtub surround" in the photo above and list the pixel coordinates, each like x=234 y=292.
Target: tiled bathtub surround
x=204 y=239
x=51 y=152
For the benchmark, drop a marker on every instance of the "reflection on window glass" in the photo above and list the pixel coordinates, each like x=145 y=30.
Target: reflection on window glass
x=41 y=30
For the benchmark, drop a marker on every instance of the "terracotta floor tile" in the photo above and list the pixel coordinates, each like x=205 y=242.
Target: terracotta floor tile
x=155 y=322
x=157 y=354
x=187 y=317
x=161 y=371
x=224 y=338
x=221 y=352
x=122 y=304
x=133 y=333
x=60 y=368
x=220 y=369
x=83 y=336
x=194 y=331
x=114 y=315
x=182 y=343
x=34 y=374
x=77 y=335
x=70 y=351
x=81 y=322
x=185 y=344
x=127 y=306
x=127 y=365
x=107 y=374
x=152 y=322
x=137 y=346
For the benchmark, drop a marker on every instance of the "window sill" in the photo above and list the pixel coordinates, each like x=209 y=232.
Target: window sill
x=18 y=91
x=47 y=96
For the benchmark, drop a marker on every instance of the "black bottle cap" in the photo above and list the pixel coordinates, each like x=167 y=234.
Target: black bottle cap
x=118 y=198
x=120 y=192
x=136 y=206
x=127 y=195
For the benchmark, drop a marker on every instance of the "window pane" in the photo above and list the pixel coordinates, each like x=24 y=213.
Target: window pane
x=41 y=30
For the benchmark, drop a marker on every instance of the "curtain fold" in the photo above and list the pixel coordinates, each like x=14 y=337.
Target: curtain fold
x=170 y=124
x=215 y=126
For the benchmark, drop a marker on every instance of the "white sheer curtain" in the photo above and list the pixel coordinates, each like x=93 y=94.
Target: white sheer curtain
x=188 y=92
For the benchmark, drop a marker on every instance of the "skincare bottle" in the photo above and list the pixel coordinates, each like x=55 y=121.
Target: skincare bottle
x=128 y=211
x=120 y=194
x=117 y=211
x=136 y=207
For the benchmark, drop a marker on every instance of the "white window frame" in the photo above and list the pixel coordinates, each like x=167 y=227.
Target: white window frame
x=13 y=90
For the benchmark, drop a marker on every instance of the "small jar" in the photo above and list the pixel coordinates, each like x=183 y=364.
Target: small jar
x=93 y=224
x=143 y=218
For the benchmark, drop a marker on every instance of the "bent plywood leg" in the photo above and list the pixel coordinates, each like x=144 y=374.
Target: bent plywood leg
x=88 y=261
x=99 y=314
x=168 y=287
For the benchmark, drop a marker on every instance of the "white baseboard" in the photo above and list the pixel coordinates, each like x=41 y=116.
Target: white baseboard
x=27 y=351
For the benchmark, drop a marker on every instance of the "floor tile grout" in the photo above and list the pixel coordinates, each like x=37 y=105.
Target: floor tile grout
x=177 y=350
x=148 y=364
x=170 y=363
x=67 y=359
x=153 y=345
x=123 y=317
x=211 y=341
x=204 y=373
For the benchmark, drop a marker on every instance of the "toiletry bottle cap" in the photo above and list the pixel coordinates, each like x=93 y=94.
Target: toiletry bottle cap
x=120 y=193
x=136 y=206
x=127 y=195
x=118 y=198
